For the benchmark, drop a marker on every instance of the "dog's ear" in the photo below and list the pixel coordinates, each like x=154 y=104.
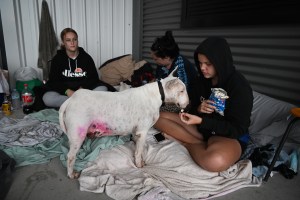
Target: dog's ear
x=172 y=74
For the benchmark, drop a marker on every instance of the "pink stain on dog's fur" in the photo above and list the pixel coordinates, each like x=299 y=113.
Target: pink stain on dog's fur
x=95 y=129
x=102 y=129
x=82 y=132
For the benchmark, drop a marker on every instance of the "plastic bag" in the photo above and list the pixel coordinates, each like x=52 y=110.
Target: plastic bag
x=31 y=84
x=4 y=86
x=26 y=74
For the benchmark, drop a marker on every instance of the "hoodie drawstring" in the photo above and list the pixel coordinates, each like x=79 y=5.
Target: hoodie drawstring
x=70 y=64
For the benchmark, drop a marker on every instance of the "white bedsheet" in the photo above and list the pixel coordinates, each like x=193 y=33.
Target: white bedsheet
x=169 y=173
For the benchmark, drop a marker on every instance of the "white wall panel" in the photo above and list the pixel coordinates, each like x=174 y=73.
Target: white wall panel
x=118 y=24
x=104 y=28
x=61 y=15
x=29 y=32
x=93 y=29
x=128 y=21
x=78 y=19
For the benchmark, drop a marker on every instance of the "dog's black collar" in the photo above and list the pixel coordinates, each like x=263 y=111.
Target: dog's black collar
x=161 y=91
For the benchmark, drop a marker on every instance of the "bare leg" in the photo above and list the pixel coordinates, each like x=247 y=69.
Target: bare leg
x=171 y=124
x=217 y=155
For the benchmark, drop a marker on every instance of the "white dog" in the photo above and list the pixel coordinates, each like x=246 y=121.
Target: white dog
x=134 y=110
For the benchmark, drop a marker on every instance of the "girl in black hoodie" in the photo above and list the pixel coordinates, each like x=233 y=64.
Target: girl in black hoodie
x=214 y=141
x=71 y=69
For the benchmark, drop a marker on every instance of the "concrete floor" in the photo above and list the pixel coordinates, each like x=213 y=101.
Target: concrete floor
x=49 y=182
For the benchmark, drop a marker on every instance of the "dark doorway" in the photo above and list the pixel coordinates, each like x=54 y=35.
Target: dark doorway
x=3 y=61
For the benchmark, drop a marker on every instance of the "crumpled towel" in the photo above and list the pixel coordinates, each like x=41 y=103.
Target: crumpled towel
x=167 y=165
x=50 y=115
x=27 y=131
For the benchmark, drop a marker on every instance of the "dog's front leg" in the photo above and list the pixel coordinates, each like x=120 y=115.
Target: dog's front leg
x=140 y=139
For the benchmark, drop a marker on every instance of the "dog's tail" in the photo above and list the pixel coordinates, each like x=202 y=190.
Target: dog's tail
x=61 y=112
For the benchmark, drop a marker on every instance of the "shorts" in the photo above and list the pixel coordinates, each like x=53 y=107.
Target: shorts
x=243 y=140
x=243 y=146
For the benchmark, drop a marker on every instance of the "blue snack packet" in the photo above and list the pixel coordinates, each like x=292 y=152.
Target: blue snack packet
x=219 y=96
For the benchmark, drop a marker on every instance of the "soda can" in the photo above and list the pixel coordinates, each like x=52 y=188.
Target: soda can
x=6 y=108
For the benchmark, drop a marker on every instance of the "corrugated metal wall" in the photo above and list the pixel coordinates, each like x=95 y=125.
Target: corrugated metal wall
x=104 y=28
x=269 y=56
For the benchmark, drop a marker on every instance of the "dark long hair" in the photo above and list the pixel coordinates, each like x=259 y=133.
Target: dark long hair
x=165 y=46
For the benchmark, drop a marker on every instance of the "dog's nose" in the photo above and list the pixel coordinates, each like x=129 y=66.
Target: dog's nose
x=183 y=107
x=187 y=107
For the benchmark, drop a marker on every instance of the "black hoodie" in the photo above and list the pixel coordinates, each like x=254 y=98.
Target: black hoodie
x=238 y=107
x=67 y=73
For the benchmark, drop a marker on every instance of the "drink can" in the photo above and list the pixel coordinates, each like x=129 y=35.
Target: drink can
x=6 y=108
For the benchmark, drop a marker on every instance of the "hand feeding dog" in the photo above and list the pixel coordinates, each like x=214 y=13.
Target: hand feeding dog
x=134 y=110
x=184 y=116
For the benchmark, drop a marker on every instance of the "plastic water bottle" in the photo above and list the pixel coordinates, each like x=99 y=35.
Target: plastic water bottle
x=27 y=99
x=15 y=100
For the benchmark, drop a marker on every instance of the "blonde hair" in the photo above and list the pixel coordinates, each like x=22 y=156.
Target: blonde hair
x=64 y=32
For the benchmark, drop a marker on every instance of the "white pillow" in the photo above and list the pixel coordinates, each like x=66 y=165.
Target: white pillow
x=267 y=110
